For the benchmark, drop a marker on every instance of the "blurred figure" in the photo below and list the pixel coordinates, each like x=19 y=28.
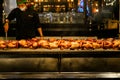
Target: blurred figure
x=27 y=21
x=81 y=7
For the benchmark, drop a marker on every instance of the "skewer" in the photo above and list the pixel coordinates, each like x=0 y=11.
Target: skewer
x=6 y=36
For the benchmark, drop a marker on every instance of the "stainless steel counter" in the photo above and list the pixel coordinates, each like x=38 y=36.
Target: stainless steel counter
x=44 y=64
x=40 y=52
x=55 y=63
x=56 y=75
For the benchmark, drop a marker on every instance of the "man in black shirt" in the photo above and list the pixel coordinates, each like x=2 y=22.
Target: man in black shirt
x=27 y=21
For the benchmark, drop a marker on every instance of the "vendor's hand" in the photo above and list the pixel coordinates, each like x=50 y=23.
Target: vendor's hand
x=6 y=27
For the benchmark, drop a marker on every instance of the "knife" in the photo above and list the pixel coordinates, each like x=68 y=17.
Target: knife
x=6 y=36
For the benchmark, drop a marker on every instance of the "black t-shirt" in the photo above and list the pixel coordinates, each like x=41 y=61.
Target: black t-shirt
x=27 y=22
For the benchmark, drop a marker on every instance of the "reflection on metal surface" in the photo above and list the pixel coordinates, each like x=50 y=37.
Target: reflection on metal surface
x=46 y=64
x=54 y=75
x=109 y=75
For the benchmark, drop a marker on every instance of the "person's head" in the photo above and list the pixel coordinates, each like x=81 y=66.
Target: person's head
x=22 y=4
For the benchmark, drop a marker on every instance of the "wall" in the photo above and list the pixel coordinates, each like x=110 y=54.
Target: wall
x=9 y=5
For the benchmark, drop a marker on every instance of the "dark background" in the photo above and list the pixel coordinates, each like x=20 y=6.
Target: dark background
x=84 y=29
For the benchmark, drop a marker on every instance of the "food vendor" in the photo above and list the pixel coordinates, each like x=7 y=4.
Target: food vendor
x=27 y=21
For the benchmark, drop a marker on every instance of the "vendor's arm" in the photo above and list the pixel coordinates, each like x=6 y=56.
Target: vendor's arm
x=38 y=25
x=10 y=17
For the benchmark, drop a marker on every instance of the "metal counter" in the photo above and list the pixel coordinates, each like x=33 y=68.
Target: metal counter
x=55 y=63
x=64 y=75
x=40 y=52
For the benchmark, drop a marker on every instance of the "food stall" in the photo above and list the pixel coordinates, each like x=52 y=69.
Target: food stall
x=61 y=55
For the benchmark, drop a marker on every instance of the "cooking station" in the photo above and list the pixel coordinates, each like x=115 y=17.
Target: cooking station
x=56 y=63
x=26 y=63
x=82 y=59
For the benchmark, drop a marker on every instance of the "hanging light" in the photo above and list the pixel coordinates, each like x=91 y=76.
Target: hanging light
x=35 y=0
x=68 y=0
x=96 y=4
x=72 y=0
x=41 y=0
x=97 y=10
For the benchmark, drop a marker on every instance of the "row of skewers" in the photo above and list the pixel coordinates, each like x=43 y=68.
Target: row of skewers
x=53 y=43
